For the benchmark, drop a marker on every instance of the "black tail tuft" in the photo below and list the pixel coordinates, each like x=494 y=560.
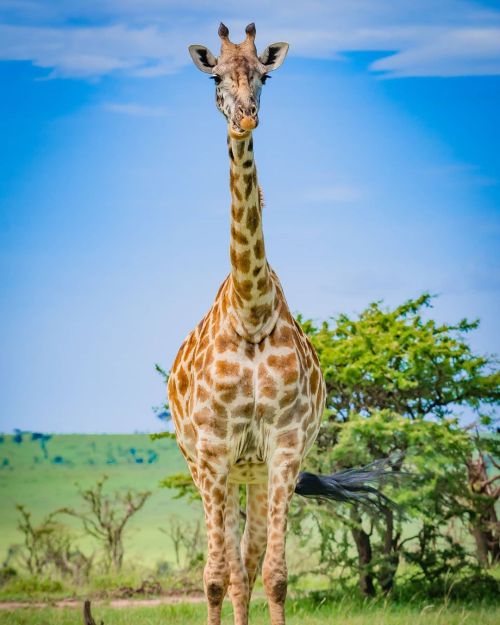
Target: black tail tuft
x=352 y=485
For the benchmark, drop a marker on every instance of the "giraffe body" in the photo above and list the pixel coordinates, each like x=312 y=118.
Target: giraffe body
x=245 y=391
x=241 y=401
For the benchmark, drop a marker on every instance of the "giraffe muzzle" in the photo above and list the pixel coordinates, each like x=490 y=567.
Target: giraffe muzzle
x=248 y=123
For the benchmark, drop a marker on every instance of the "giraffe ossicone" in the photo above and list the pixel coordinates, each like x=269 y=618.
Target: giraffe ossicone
x=246 y=390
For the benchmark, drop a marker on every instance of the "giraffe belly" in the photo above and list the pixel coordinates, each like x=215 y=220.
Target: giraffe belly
x=248 y=473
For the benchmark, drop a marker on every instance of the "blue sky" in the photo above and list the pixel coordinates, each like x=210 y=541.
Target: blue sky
x=377 y=152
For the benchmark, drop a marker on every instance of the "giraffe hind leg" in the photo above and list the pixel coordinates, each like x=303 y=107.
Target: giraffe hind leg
x=283 y=473
x=238 y=580
x=254 y=539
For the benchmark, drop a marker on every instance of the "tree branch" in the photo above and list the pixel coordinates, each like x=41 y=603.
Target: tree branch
x=87 y=614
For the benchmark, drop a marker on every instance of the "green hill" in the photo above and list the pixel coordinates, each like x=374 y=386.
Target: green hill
x=44 y=475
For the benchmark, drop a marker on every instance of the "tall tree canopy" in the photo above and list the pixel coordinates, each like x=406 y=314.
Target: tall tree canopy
x=403 y=387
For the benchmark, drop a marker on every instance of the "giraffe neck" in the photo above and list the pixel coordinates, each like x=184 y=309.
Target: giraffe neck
x=252 y=293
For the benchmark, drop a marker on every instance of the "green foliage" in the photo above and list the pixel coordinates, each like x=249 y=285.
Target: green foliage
x=162 y=411
x=395 y=381
x=158 y=435
x=164 y=374
x=31 y=586
x=37 y=541
x=47 y=548
x=183 y=484
x=7 y=573
x=399 y=361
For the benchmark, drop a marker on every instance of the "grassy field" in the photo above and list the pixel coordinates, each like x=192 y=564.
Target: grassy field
x=299 y=613
x=44 y=477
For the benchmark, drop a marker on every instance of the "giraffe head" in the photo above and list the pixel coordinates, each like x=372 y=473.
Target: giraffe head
x=239 y=73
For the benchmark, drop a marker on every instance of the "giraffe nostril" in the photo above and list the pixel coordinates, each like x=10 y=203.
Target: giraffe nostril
x=253 y=110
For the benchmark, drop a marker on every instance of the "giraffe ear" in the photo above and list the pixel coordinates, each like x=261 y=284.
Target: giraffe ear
x=274 y=55
x=203 y=58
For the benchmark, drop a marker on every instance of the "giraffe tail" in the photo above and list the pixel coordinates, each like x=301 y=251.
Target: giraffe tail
x=356 y=486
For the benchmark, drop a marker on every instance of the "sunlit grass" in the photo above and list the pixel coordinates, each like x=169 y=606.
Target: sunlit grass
x=299 y=613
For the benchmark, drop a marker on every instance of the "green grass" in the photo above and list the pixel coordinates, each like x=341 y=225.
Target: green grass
x=44 y=481
x=299 y=613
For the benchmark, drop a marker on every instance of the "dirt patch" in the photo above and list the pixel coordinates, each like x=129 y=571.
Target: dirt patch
x=171 y=599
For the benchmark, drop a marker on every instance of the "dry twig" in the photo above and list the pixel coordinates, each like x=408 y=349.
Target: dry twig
x=87 y=614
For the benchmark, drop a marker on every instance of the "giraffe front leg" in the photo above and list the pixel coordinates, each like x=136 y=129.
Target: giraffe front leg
x=212 y=483
x=238 y=582
x=283 y=473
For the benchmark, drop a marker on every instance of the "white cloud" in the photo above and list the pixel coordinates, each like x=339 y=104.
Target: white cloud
x=149 y=37
x=134 y=109
x=89 y=51
x=454 y=52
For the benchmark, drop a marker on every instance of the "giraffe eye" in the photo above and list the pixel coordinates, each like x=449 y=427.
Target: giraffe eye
x=216 y=79
x=264 y=78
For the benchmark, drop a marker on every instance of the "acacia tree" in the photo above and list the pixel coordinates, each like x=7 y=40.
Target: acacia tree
x=106 y=517
x=33 y=551
x=187 y=540
x=47 y=547
x=395 y=381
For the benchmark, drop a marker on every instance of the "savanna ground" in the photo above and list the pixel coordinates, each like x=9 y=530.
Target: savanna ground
x=298 y=611
x=44 y=477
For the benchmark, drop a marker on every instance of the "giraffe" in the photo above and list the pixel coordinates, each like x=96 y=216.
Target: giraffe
x=246 y=391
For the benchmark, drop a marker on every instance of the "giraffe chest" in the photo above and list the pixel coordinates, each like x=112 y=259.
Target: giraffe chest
x=240 y=375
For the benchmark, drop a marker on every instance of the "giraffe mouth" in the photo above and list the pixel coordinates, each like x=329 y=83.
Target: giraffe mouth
x=236 y=132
